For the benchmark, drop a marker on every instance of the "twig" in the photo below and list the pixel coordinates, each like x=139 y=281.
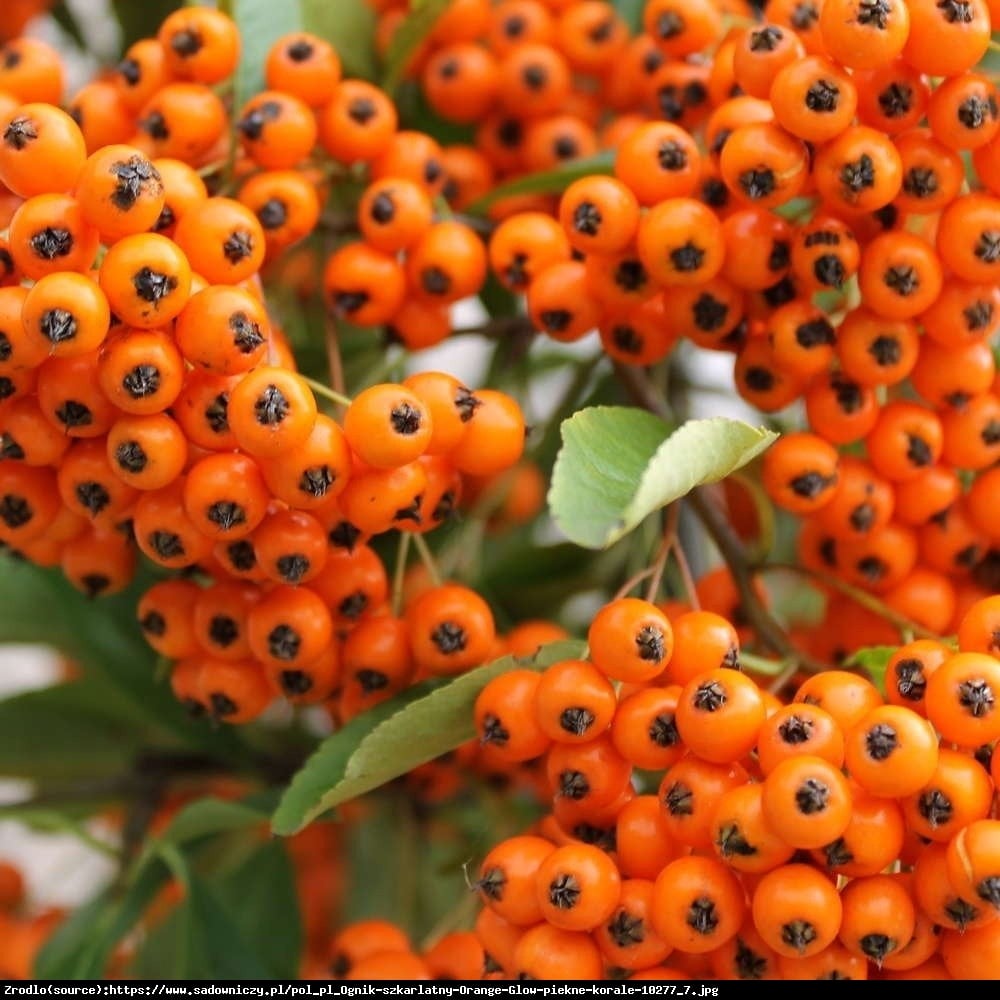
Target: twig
x=641 y=390
x=634 y=581
x=460 y=915
x=339 y=225
x=427 y=557
x=501 y=328
x=398 y=577
x=783 y=678
x=326 y=392
x=478 y=224
x=767 y=627
x=670 y=541
x=334 y=359
x=687 y=577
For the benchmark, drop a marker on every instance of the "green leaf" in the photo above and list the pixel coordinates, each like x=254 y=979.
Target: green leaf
x=761 y=664
x=66 y=20
x=497 y=300
x=65 y=733
x=39 y=606
x=547 y=181
x=209 y=943
x=619 y=464
x=349 y=26
x=391 y=739
x=210 y=816
x=631 y=13
x=416 y=113
x=140 y=20
x=408 y=38
x=81 y=946
x=218 y=932
x=264 y=882
x=261 y=24
x=874 y=660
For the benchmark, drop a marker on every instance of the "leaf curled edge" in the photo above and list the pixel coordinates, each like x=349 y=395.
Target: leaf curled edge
x=619 y=464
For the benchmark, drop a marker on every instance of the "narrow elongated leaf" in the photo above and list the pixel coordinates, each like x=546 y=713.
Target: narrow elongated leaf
x=349 y=26
x=261 y=24
x=67 y=20
x=619 y=464
x=393 y=738
x=408 y=38
x=81 y=947
x=60 y=956
x=209 y=941
x=222 y=913
x=547 y=181
x=265 y=883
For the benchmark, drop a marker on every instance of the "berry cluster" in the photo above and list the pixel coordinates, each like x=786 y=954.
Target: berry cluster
x=378 y=949
x=840 y=835
x=811 y=187
x=793 y=191
x=151 y=405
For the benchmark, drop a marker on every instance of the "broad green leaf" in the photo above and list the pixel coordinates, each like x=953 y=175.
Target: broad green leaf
x=597 y=472
x=874 y=660
x=547 y=181
x=619 y=464
x=65 y=733
x=261 y=24
x=391 y=739
x=631 y=13
x=408 y=38
x=349 y=26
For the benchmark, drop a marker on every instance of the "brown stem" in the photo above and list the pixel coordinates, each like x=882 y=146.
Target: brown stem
x=768 y=629
x=339 y=225
x=484 y=227
x=333 y=356
x=633 y=581
x=687 y=577
x=502 y=328
x=659 y=564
